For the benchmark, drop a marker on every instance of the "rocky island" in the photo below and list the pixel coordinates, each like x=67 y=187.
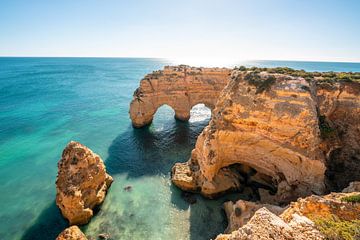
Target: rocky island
x=282 y=135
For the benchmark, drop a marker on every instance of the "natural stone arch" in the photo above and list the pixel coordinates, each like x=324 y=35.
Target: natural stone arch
x=196 y=115
x=180 y=87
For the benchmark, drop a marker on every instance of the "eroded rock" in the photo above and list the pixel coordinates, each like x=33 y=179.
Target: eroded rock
x=81 y=184
x=239 y=213
x=267 y=124
x=299 y=221
x=339 y=108
x=180 y=87
x=72 y=233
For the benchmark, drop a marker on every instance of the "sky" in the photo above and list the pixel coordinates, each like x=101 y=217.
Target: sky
x=319 y=30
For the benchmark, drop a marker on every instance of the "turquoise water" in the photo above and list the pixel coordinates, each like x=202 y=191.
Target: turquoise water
x=46 y=102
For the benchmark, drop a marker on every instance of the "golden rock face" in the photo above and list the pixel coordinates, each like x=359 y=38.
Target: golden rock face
x=72 y=233
x=339 y=104
x=299 y=221
x=180 y=87
x=273 y=131
x=81 y=184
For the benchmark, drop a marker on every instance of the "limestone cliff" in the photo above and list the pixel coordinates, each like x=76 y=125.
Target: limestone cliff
x=180 y=87
x=264 y=133
x=339 y=109
x=81 y=184
x=328 y=217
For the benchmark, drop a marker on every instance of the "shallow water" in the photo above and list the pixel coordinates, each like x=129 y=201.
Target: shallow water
x=46 y=102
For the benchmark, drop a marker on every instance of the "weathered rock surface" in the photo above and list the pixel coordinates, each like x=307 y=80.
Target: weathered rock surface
x=353 y=187
x=298 y=221
x=264 y=132
x=339 y=108
x=239 y=213
x=81 y=184
x=180 y=87
x=265 y=225
x=72 y=233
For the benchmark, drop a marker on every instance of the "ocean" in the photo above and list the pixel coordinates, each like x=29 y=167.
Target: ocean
x=47 y=102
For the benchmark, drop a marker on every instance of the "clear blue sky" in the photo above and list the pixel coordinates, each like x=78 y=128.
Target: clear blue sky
x=326 y=30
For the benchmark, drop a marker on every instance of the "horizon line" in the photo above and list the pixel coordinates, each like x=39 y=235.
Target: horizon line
x=169 y=59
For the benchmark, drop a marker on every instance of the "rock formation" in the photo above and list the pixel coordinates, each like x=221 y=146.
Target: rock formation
x=72 y=233
x=313 y=217
x=239 y=213
x=264 y=133
x=339 y=108
x=180 y=87
x=81 y=184
x=353 y=187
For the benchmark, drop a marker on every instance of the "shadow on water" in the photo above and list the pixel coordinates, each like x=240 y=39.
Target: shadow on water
x=151 y=150
x=48 y=225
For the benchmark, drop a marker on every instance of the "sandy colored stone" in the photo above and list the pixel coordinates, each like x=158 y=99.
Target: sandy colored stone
x=239 y=213
x=72 y=233
x=81 y=184
x=265 y=225
x=274 y=132
x=339 y=104
x=180 y=87
x=294 y=223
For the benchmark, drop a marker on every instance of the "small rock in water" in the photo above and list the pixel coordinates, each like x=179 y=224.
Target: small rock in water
x=104 y=236
x=189 y=197
x=128 y=188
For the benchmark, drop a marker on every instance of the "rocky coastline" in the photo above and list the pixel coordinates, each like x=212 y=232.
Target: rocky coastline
x=288 y=138
x=281 y=135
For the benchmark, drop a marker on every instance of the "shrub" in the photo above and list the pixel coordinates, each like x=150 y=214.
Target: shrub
x=334 y=228
x=352 y=199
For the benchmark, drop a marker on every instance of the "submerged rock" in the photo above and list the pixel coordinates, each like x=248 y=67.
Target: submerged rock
x=189 y=197
x=81 y=184
x=72 y=233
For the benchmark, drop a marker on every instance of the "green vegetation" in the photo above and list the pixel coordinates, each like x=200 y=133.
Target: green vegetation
x=325 y=130
x=319 y=76
x=334 y=228
x=261 y=84
x=352 y=199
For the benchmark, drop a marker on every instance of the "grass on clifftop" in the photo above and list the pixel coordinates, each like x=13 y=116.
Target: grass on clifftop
x=320 y=76
x=261 y=84
x=335 y=229
x=351 y=199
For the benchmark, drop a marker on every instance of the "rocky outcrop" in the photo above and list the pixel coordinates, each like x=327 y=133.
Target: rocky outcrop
x=81 y=184
x=239 y=213
x=264 y=133
x=353 y=187
x=72 y=233
x=265 y=225
x=313 y=217
x=180 y=87
x=339 y=109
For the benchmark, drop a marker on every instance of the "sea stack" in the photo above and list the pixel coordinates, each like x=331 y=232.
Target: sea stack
x=81 y=184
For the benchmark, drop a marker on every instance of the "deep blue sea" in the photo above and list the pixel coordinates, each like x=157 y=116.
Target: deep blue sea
x=46 y=102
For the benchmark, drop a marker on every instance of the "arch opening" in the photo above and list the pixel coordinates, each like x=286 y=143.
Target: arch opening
x=163 y=115
x=199 y=113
